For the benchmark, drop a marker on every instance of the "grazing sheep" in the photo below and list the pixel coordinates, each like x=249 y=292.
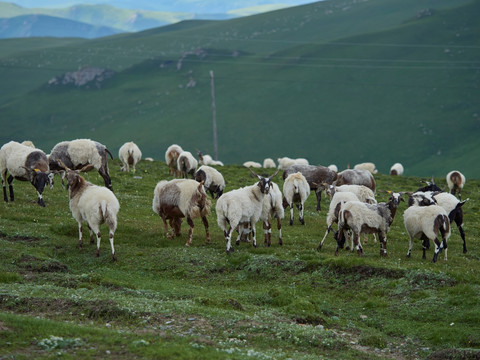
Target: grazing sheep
x=175 y=199
x=186 y=164
x=455 y=182
x=296 y=191
x=76 y=154
x=368 y=166
x=363 y=193
x=425 y=222
x=367 y=218
x=396 y=169
x=268 y=163
x=355 y=177
x=286 y=162
x=242 y=206
x=207 y=160
x=171 y=157
x=149 y=159
x=315 y=175
x=212 y=180
x=129 y=154
x=94 y=204
x=24 y=163
x=252 y=164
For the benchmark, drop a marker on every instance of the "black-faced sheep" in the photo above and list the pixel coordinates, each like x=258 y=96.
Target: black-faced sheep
x=76 y=154
x=367 y=166
x=24 y=163
x=296 y=191
x=212 y=180
x=355 y=177
x=425 y=222
x=242 y=206
x=94 y=204
x=315 y=175
x=367 y=219
x=396 y=169
x=455 y=182
x=186 y=164
x=129 y=154
x=181 y=198
x=171 y=157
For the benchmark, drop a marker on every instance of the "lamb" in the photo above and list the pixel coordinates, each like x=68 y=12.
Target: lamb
x=24 y=163
x=181 y=198
x=242 y=205
x=455 y=182
x=94 y=204
x=207 y=160
x=129 y=154
x=396 y=169
x=212 y=179
x=76 y=154
x=171 y=157
x=186 y=164
x=425 y=222
x=367 y=218
x=296 y=190
x=268 y=163
x=355 y=177
x=315 y=175
x=252 y=164
x=368 y=166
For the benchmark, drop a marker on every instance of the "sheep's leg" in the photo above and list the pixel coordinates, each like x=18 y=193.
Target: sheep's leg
x=106 y=178
x=63 y=179
x=190 y=231
x=410 y=246
x=438 y=248
x=291 y=213
x=279 y=227
x=319 y=247
x=164 y=218
x=358 y=245
x=92 y=239
x=80 y=241
x=40 y=199
x=254 y=235
x=10 y=187
x=302 y=220
x=228 y=238
x=110 y=237
x=383 y=244
x=267 y=230
x=207 y=231
x=99 y=238
x=319 y=199
x=462 y=234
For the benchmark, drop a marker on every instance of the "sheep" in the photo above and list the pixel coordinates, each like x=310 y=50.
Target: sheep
x=28 y=143
x=286 y=162
x=94 y=204
x=149 y=159
x=129 y=154
x=272 y=208
x=355 y=177
x=207 y=160
x=212 y=179
x=367 y=218
x=368 y=166
x=315 y=176
x=334 y=209
x=268 y=163
x=171 y=156
x=333 y=167
x=252 y=164
x=449 y=202
x=77 y=153
x=24 y=163
x=396 y=169
x=242 y=205
x=178 y=198
x=455 y=182
x=425 y=222
x=186 y=164
x=296 y=190
x=363 y=193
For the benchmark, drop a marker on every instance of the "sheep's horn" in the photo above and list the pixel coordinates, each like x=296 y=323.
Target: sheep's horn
x=271 y=177
x=254 y=173
x=60 y=162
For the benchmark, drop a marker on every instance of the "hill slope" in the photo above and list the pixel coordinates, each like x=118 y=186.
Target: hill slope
x=295 y=82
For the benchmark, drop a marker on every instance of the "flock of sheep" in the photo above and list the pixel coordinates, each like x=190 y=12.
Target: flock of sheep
x=352 y=195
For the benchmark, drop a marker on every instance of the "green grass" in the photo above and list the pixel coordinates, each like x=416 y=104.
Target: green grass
x=164 y=300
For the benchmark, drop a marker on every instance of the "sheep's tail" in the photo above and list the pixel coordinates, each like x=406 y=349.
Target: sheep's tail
x=110 y=220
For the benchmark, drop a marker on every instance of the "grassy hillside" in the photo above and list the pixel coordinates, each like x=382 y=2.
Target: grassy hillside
x=164 y=300
x=370 y=82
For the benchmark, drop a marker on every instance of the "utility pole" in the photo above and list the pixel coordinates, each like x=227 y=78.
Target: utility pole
x=214 y=111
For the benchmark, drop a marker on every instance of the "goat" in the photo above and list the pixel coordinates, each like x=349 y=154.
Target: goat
x=296 y=190
x=24 y=163
x=129 y=154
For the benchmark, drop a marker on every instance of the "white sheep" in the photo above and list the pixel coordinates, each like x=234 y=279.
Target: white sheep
x=242 y=205
x=208 y=160
x=333 y=167
x=94 y=204
x=186 y=164
x=212 y=179
x=171 y=157
x=26 y=164
x=368 y=166
x=396 y=169
x=363 y=193
x=455 y=182
x=77 y=153
x=286 y=162
x=28 y=143
x=355 y=177
x=296 y=191
x=425 y=222
x=252 y=164
x=129 y=154
x=268 y=163
x=364 y=218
